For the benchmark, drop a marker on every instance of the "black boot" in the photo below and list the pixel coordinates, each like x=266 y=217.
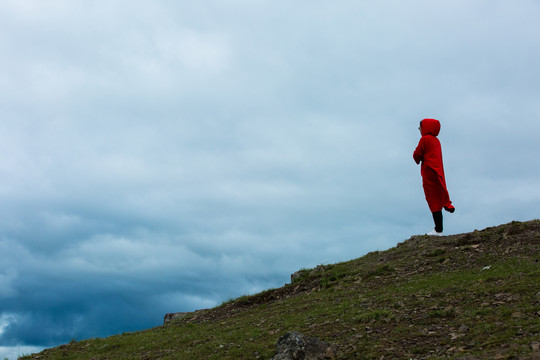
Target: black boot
x=437 y=218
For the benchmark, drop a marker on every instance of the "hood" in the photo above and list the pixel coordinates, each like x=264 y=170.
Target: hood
x=430 y=127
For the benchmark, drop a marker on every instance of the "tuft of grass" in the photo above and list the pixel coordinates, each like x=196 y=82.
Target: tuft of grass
x=382 y=270
x=302 y=275
x=436 y=252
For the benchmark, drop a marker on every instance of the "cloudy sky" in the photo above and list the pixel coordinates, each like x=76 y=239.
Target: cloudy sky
x=166 y=156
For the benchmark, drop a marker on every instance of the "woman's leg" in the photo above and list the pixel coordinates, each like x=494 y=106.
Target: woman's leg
x=438 y=219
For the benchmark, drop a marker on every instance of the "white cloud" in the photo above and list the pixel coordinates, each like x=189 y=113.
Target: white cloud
x=5 y=319
x=15 y=352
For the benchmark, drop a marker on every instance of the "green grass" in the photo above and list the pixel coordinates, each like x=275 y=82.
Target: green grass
x=426 y=298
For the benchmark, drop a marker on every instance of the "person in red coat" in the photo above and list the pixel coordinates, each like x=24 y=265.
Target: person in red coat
x=429 y=153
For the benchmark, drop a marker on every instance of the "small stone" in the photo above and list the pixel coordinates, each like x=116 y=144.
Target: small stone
x=294 y=345
x=174 y=316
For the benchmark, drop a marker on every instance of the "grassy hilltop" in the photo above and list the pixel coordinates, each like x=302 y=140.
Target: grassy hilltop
x=468 y=296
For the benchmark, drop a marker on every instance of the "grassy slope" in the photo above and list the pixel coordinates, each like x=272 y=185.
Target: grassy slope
x=474 y=294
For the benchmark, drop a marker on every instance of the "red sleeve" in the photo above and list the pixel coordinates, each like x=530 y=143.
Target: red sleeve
x=418 y=154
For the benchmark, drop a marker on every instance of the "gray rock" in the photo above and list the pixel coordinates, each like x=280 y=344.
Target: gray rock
x=174 y=316
x=296 y=346
x=304 y=272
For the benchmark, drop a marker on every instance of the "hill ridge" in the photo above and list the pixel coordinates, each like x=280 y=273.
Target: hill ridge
x=471 y=296
x=433 y=247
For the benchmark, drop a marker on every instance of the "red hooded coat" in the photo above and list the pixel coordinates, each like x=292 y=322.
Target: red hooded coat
x=429 y=153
